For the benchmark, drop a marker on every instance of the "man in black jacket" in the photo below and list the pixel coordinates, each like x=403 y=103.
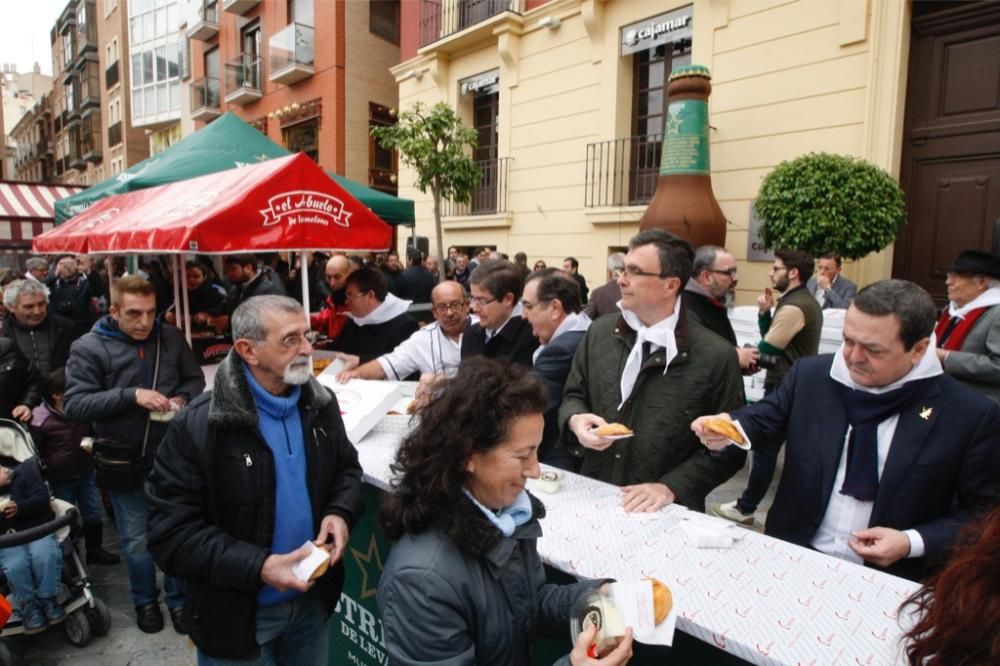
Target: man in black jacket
x=247 y=279
x=378 y=321
x=128 y=376
x=72 y=295
x=244 y=479
x=416 y=282
x=42 y=337
x=501 y=332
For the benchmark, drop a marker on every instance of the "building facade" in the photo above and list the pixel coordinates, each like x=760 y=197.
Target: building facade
x=22 y=96
x=311 y=75
x=569 y=98
x=124 y=144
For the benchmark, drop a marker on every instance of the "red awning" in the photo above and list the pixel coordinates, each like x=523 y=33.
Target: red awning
x=26 y=210
x=281 y=204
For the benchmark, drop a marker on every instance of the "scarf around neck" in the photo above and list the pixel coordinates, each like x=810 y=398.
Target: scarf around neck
x=508 y=518
x=661 y=333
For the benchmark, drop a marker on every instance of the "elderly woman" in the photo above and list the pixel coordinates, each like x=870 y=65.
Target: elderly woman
x=465 y=584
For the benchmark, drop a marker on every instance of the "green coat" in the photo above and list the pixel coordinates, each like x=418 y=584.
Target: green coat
x=704 y=378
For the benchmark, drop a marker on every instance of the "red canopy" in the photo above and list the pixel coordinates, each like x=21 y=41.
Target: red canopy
x=282 y=204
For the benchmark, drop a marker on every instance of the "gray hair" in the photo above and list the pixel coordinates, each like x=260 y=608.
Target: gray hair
x=992 y=283
x=248 y=320
x=704 y=258
x=616 y=263
x=36 y=262
x=25 y=287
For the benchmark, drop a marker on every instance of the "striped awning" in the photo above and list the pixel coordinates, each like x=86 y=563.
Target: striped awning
x=27 y=210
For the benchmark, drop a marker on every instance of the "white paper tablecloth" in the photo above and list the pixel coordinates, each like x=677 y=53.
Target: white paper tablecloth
x=764 y=600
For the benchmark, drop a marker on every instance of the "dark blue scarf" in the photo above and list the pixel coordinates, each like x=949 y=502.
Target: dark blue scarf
x=864 y=412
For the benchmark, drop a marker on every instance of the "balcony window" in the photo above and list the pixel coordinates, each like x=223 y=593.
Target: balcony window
x=115 y=134
x=206 y=98
x=292 y=54
x=111 y=75
x=440 y=18
x=206 y=25
x=243 y=80
x=383 y=19
x=90 y=138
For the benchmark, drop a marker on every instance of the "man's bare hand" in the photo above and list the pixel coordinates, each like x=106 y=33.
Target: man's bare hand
x=646 y=497
x=617 y=657
x=333 y=528
x=277 y=570
x=21 y=413
x=351 y=363
x=765 y=301
x=582 y=424
x=712 y=440
x=880 y=545
x=11 y=509
x=748 y=356
x=823 y=281
x=154 y=401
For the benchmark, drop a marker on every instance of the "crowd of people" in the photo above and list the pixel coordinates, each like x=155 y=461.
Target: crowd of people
x=891 y=444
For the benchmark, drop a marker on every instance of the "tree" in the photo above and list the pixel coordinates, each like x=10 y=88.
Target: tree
x=830 y=203
x=433 y=142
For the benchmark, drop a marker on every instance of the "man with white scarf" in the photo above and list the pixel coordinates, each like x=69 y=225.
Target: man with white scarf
x=887 y=457
x=652 y=369
x=968 y=330
x=378 y=321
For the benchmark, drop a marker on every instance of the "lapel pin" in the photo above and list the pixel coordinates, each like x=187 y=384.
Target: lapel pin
x=926 y=412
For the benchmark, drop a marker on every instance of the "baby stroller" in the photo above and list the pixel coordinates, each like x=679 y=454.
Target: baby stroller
x=86 y=615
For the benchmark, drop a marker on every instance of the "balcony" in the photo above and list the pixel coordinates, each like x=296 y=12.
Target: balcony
x=490 y=195
x=243 y=80
x=112 y=75
x=440 y=18
x=292 y=54
x=57 y=123
x=206 y=99
x=622 y=172
x=115 y=134
x=206 y=25
x=239 y=6
x=74 y=160
x=91 y=144
x=43 y=147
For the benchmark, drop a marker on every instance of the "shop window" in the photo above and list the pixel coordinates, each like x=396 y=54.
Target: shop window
x=303 y=138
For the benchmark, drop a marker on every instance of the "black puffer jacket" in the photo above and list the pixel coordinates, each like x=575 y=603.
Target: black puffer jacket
x=212 y=498
x=20 y=383
x=46 y=345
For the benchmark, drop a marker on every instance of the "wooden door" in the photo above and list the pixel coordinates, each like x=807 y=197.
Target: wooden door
x=951 y=151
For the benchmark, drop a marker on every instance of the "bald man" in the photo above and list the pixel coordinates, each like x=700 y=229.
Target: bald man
x=434 y=349
x=331 y=318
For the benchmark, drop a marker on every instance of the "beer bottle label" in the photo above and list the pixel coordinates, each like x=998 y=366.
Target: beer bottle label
x=685 y=139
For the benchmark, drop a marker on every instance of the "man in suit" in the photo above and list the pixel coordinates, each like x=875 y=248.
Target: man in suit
x=828 y=286
x=604 y=299
x=968 y=331
x=551 y=304
x=496 y=288
x=887 y=457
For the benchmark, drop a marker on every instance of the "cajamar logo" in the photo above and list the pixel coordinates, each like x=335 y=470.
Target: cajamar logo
x=305 y=207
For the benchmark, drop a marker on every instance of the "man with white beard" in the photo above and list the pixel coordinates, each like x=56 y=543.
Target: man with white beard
x=246 y=480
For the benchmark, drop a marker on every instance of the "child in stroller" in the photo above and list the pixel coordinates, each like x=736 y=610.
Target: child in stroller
x=35 y=546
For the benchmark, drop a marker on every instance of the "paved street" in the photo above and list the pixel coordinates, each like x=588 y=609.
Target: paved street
x=125 y=645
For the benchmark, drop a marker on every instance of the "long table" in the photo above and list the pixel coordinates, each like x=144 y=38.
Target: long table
x=764 y=601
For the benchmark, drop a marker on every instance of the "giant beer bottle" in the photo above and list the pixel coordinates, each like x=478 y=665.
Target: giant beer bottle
x=683 y=202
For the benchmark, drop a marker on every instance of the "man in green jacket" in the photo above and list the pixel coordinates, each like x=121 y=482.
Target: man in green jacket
x=651 y=369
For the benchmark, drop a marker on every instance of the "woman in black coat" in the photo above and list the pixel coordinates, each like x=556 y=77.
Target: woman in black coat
x=464 y=584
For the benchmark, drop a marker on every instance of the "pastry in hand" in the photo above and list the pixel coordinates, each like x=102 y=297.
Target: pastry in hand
x=726 y=429
x=663 y=600
x=612 y=430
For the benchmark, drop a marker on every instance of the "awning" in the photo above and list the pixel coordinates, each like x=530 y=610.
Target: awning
x=27 y=210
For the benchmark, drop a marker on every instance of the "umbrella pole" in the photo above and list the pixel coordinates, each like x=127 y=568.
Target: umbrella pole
x=304 y=272
x=174 y=266
x=184 y=294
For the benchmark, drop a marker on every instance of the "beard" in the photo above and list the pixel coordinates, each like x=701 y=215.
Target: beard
x=298 y=371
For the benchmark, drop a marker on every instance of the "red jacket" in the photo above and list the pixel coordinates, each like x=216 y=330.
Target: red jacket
x=330 y=320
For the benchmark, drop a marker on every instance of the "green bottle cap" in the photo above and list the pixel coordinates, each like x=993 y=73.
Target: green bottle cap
x=690 y=70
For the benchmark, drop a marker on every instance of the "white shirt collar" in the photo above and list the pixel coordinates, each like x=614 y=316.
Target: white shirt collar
x=390 y=308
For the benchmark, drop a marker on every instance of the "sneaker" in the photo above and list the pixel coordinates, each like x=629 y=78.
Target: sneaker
x=34 y=620
x=149 y=618
x=54 y=612
x=730 y=511
x=177 y=619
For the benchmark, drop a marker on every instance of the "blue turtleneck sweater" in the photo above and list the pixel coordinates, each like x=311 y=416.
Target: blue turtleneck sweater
x=281 y=427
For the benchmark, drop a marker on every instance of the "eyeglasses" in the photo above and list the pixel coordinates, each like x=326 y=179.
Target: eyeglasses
x=477 y=300
x=527 y=306
x=731 y=272
x=635 y=271
x=294 y=340
x=442 y=308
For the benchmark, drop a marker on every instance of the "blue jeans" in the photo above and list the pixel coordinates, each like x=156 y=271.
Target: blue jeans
x=83 y=493
x=761 y=474
x=132 y=517
x=294 y=633
x=33 y=570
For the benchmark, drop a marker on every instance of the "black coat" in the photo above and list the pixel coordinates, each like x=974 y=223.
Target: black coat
x=514 y=341
x=212 y=497
x=372 y=340
x=552 y=367
x=709 y=313
x=71 y=299
x=20 y=382
x=29 y=492
x=50 y=340
x=415 y=284
x=266 y=283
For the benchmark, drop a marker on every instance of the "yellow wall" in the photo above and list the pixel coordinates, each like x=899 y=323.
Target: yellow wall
x=788 y=78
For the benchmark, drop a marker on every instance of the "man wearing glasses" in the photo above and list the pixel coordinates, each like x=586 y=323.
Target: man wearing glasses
x=501 y=332
x=651 y=370
x=245 y=479
x=712 y=282
x=378 y=321
x=791 y=333
x=435 y=349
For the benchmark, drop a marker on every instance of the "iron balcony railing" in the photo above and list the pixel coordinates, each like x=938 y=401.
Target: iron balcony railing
x=440 y=18
x=622 y=172
x=491 y=193
x=243 y=72
x=206 y=93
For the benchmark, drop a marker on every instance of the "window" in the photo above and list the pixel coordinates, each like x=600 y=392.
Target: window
x=485 y=109
x=111 y=52
x=381 y=161
x=110 y=6
x=303 y=138
x=301 y=12
x=383 y=19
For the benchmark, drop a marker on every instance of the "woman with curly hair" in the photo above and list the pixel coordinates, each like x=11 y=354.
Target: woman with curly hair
x=960 y=605
x=464 y=584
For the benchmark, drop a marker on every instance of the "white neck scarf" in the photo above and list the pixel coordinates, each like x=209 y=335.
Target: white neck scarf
x=574 y=321
x=928 y=366
x=390 y=308
x=989 y=297
x=661 y=333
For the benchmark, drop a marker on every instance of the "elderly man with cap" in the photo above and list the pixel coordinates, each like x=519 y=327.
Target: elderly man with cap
x=968 y=331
